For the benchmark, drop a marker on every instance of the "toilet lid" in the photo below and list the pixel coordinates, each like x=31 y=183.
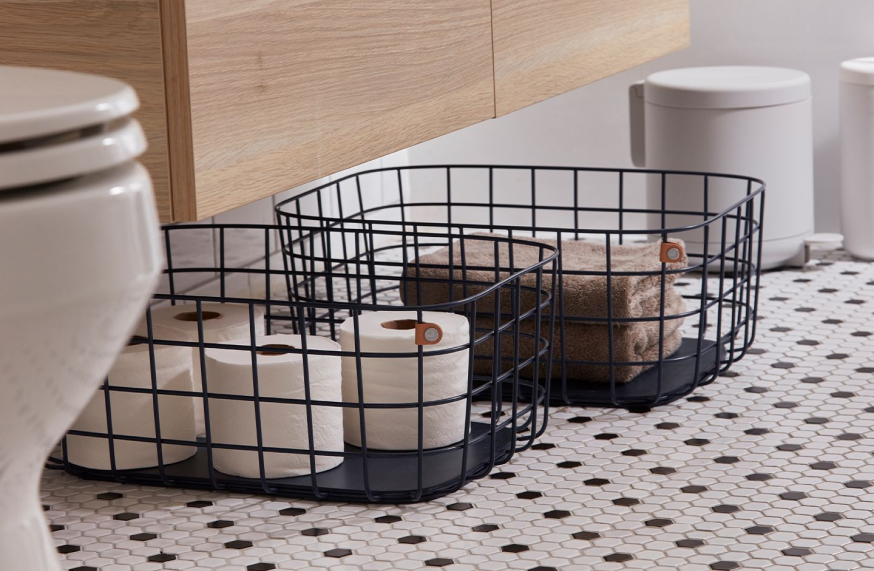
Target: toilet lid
x=726 y=87
x=56 y=125
x=36 y=102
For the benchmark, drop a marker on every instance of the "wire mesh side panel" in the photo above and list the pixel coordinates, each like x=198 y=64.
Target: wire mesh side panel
x=198 y=399
x=631 y=329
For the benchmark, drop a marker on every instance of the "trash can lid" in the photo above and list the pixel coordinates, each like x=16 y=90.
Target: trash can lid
x=726 y=87
x=860 y=71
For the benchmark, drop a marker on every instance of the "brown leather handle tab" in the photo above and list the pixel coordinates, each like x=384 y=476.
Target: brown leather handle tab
x=671 y=252
x=428 y=334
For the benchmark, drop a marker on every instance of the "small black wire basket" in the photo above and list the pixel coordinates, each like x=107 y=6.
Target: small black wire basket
x=171 y=418
x=658 y=270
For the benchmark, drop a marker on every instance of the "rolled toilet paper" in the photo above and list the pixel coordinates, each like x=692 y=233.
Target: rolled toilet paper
x=283 y=425
x=132 y=414
x=395 y=380
x=222 y=322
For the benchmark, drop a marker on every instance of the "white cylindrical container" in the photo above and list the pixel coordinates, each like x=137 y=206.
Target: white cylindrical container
x=751 y=121
x=857 y=156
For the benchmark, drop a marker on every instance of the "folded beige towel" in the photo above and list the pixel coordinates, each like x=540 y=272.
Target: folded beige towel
x=584 y=295
x=638 y=342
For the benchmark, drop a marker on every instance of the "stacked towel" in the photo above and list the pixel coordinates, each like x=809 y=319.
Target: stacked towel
x=585 y=298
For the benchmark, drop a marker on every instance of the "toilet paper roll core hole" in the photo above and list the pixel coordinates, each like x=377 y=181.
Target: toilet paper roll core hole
x=400 y=324
x=192 y=315
x=275 y=346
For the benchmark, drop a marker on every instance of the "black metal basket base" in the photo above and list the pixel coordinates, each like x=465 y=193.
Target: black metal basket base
x=678 y=380
x=391 y=476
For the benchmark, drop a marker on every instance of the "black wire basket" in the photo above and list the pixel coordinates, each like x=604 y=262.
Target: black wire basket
x=300 y=288
x=659 y=270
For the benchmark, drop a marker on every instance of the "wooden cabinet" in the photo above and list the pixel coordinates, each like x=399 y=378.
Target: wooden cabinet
x=542 y=49
x=244 y=99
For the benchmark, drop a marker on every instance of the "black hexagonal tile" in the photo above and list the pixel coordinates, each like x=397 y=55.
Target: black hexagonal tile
x=261 y=567
x=485 y=527
x=861 y=333
x=858 y=484
x=315 y=531
x=56 y=527
x=65 y=549
x=783 y=365
x=201 y=504
x=388 y=519
x=837 y=356
x=698 y=398
x=785 y=404
x=162 y=558
x=292 y=511
x=580 y=419
x=759 y=530
x=84 y=568
x=634 y=452
x=596 y=482
x=529 y=495
x=663 y=471
x=143 y=537
x=816 y=420
x=618 y=557
x=808 y=342
x=724 y=565
x=789 y=447
x=543 y=446
x=606 y=436
x=794 y=496
x=757 y=477
x=238 y=544
x=725 y=509
x=438 y=562
x=627 y=502
x=219 y=524
x=726 y=415
x=756 y=390
x=514 y=548
x=586 y=535
x=338 y=553
x=727 y=460
x=756 y=431
x=823 y=466
x=693 y=489
x=690 y=543
x=849 y=436
x=843 y=394
x=667 y=425
x=658 y=522
x=569 y=464
x=126 y=516
x=557 y=514
x=109 y=496
x=780 y=329
x=543 y=568
x=863 y=538
x=796 y=552
x=812 y=380
x=412 y=539
x=828 y=516
x=459 y=506
x=696 y=442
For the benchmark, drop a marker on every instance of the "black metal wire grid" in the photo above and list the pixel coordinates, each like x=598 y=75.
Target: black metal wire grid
x=718 y=215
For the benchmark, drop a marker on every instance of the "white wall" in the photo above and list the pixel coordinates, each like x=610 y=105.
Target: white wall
x=589 y=126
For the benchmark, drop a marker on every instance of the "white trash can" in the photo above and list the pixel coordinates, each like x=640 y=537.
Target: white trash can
x=857 y=156
x=752 y=121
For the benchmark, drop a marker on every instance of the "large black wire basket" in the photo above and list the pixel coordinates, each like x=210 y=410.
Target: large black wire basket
x=308 y=280
x=703 y=233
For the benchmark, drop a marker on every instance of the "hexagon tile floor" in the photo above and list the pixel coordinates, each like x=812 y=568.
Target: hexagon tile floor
x=770 y=467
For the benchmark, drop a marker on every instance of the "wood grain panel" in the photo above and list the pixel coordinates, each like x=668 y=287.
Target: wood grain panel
x=286 y=91
x=543 y=49
x=116 y=38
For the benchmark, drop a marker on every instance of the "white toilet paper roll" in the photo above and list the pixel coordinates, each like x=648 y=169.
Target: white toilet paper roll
x=133 y=413
x=222 y=322
x=393 y=380
x=283 y=425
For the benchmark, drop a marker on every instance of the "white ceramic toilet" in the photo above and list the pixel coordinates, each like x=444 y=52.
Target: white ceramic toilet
x=79 y=256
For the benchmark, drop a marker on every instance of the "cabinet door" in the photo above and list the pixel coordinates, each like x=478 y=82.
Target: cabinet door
x=283 y=92
x=546 y=48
